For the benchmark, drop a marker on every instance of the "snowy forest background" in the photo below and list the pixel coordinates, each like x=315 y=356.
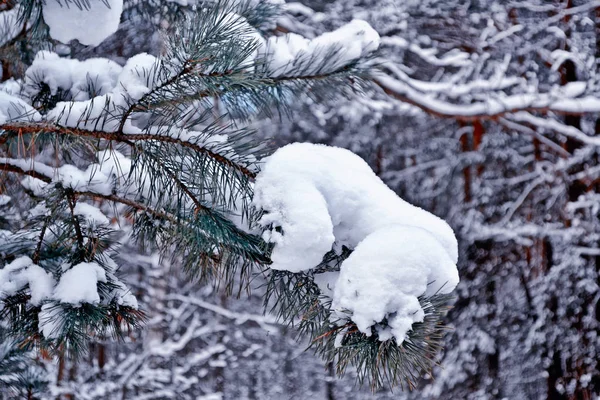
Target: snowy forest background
x=486 y=113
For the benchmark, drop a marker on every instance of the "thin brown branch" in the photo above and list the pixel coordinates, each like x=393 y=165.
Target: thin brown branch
x=34 y=174
x=128 y=202
x=13 y=129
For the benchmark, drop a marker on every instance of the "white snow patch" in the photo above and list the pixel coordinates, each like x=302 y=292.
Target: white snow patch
x=90 y=179
x=90 y=213
x=13 y=108
x=317 y=198
x=79 y=284
x=11 y=86
x=386 y=274
x=136 y=78
x=124 y=296
x=70 y=75
x=139 y=75
x=89 y=26
x=34 y=185
x=41 y=284
x=22 y=272
x=341 y=47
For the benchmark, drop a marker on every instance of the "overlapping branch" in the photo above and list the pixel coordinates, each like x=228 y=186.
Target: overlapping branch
x=490 y=108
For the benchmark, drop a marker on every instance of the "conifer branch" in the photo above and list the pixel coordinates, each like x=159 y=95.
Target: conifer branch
x=135 y=105
x=16 y=128
x=162 y=215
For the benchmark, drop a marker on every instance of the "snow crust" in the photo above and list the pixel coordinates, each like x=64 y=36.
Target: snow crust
x=318 y=198
x=90 y=26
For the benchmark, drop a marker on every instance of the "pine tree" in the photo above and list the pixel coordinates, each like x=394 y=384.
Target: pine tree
x=162 y=150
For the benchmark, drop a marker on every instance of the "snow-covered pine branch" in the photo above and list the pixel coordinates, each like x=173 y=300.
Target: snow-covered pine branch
x=162 y=149
x=373 y=265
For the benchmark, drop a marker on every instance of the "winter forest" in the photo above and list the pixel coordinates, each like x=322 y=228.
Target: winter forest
x=322 y=199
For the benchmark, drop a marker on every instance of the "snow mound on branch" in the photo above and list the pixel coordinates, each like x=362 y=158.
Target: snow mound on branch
x=90 y=26
x=340 y=48
x=317 y=198
x=80 y=284
x=91 y=214
x=23 y=272
x=90 y=179
x=136 y=78
x=321 y=196
x=139 y=75
x=387 y=273
x=78 y=78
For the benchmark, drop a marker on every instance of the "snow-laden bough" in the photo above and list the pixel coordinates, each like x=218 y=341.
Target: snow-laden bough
x=317 y=198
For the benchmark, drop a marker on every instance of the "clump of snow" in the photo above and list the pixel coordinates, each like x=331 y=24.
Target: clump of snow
x=317 y=198
x=79 y=284
x=90 y=114
x=11 y=86
x=139 y=75
x=23 y=272
x=92 y=214
x=117 y=87
x=34 y=185
x=4 y=200
x=41 y=284
x=75 y=77
x=136 y=78
x=386 y=274
x=337 y=48
x=90 y=179
x=124 y=296
x=90 y=26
